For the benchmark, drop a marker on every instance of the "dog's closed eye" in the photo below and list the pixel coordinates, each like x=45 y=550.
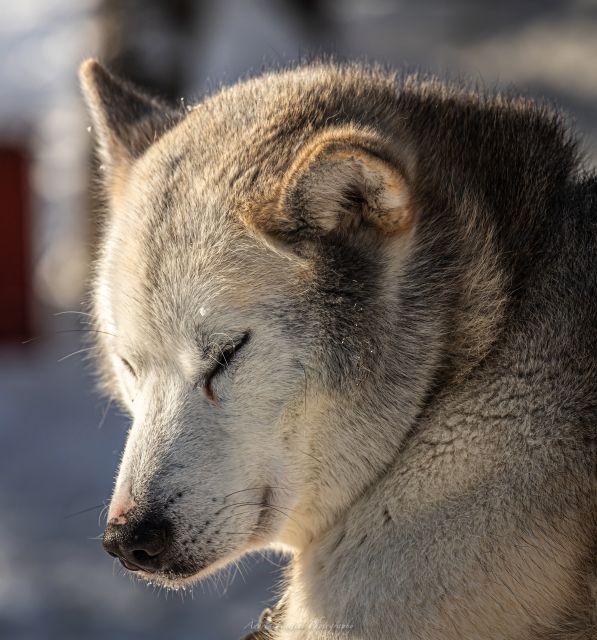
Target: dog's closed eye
x=129 y=367
x=221 y=361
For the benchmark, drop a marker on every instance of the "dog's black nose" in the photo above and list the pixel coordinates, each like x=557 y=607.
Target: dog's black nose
x=138 y=545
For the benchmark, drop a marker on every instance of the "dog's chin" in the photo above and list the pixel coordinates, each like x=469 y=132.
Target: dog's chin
x=171 y=580
x=185 y=576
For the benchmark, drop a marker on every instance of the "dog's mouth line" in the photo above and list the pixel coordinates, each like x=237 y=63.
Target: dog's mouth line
x=264 y=513
x=174 y=579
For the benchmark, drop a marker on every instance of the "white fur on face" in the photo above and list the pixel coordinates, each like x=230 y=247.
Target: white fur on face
x=220 y=469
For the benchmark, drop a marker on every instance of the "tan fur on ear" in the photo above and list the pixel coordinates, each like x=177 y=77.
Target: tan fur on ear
x=343 y=179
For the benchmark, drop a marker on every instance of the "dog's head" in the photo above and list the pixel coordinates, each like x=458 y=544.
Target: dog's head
x=244 y=297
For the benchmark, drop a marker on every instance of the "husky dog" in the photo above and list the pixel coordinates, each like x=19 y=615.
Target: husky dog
x=353 y=317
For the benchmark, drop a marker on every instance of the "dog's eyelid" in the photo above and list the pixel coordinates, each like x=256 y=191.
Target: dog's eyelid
x=128 y=366
x=222 y=359
x=220 y=352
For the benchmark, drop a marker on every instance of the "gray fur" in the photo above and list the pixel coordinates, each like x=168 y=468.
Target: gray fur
x=414 y=416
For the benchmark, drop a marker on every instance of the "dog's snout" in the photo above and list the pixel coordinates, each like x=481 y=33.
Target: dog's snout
x=139 y=545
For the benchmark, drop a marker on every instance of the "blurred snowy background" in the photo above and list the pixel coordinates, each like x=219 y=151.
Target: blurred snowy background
x=60 y=442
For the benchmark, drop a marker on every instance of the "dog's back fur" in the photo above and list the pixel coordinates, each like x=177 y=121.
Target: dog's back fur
x=448 y=340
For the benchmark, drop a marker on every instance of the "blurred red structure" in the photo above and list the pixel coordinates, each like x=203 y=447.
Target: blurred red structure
x=15 y=280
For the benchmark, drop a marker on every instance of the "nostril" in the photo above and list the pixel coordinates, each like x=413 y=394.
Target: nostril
x=149 y=542
x=140 y=545
x=141 y=556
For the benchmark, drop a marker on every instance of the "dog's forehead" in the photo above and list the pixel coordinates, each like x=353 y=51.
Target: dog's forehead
x=178 y=262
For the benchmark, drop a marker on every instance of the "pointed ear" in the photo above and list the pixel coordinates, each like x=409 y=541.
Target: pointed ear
x=125 y=120
x=344 y=180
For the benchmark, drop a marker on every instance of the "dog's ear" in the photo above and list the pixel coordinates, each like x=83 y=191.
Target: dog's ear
x=125 y=120
x=344 y=180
